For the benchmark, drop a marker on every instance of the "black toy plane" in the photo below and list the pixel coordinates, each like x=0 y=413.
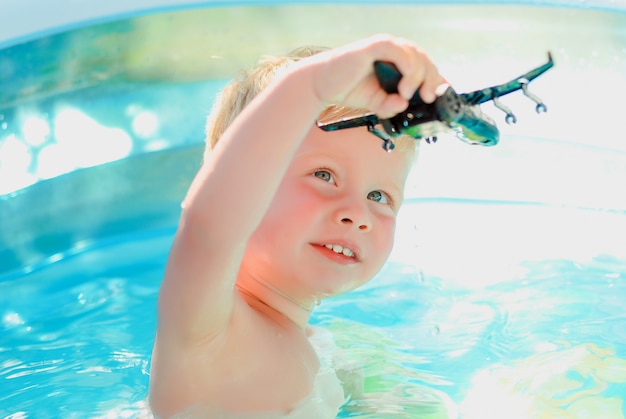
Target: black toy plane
x=459 y=113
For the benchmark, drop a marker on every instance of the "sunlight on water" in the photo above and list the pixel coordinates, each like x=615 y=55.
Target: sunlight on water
x=564 y=383
x=145 y=124
x=12 y=319
x=471 y=245
x=82 y=129
x=79 y=141
x=84 y=142
x=15 y=160
x=35 y=130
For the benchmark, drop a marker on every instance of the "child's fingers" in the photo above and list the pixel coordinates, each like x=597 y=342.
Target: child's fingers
x=407 y=58
x=385 y=105
x=390 y=105
x=352 y=72
x=418 y=70
x=412 y=78
x=430 y=88
x=424 y=77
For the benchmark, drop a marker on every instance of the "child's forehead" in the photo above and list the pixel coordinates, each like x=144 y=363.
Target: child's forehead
x=358 y=146
x=358 y=142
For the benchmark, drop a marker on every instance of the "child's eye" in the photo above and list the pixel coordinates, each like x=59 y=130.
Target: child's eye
x=325 y=175
x=379 y=196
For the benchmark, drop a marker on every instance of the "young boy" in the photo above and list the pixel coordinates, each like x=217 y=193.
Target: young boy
x=280 y=215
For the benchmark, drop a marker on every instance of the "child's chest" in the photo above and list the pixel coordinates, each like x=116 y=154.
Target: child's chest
x=263 y=367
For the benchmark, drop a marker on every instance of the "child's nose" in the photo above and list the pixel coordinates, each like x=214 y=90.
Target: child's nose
x=355 y=215
x=362 y=227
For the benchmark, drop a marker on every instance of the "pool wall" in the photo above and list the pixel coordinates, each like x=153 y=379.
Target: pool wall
x=47 y=17
x=574 y=155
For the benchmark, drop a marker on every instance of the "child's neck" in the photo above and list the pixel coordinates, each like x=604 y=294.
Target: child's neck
x=259 y=293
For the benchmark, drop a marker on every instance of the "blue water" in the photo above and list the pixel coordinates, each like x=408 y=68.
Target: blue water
x=77 y=330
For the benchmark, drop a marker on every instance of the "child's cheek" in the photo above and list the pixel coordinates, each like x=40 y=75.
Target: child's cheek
x=387 y=234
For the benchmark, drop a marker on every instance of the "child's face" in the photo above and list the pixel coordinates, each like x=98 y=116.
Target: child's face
x=341 y=189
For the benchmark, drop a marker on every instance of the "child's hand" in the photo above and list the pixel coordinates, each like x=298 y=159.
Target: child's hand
x=345 y=76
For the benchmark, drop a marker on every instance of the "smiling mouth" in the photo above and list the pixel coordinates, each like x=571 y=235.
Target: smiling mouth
x=337 y=248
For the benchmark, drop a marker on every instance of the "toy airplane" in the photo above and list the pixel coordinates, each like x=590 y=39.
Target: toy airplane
x=454 y=112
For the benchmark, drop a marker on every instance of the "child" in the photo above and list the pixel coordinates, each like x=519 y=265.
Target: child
x=280 y=215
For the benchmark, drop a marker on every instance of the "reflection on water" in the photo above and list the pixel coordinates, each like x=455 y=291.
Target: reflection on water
x=548 y=345
x=565 y=381
x=85 y=128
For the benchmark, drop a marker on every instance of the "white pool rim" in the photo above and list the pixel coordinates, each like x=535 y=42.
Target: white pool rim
x=24 y=20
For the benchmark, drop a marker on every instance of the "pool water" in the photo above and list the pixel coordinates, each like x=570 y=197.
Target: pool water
x=479 y=322
x=77 y=332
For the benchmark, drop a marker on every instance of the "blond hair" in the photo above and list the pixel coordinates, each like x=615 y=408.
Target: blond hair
x=240 y=92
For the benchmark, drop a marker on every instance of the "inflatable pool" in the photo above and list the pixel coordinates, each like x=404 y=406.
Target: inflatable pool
x=502 y=297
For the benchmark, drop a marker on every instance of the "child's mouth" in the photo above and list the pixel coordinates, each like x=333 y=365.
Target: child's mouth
x=337 y=248
x=337 y=252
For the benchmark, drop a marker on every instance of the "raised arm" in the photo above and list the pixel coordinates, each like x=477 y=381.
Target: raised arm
x=232 y=191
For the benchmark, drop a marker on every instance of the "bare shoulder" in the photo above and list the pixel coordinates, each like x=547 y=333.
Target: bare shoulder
x=193 y=365
x=243 y=365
